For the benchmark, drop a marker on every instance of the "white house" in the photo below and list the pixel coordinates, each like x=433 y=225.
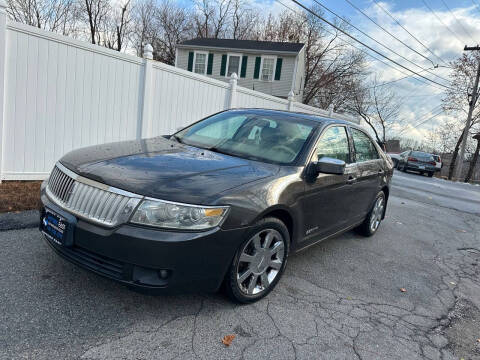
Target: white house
x=274 y=68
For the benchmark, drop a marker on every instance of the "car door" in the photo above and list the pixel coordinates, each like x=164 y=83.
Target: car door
x=328 y=196
x=370 y=170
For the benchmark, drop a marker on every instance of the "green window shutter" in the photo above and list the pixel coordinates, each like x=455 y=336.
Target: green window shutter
x=210 y=64
x=243 y=70
x=223 y=67
x=278 y=68
x=190 y=61
x=256 y=72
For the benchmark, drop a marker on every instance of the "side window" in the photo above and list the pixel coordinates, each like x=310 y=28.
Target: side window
x=334 y=144
x=364 y=147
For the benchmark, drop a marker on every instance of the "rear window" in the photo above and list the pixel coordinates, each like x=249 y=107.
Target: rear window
x=420 y=154
x=436 y=157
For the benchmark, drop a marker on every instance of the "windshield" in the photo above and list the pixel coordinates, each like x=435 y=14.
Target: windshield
x=264 y=137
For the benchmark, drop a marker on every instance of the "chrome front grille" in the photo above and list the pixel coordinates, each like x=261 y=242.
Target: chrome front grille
x=89 y=199
x=60 y=184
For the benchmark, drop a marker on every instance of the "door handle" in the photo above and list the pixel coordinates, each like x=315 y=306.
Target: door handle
x=351 y=179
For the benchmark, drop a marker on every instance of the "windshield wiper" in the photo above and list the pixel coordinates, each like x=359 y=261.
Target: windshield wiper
x=218 y=150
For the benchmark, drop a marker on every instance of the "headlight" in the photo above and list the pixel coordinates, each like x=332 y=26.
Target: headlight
x=178 y=216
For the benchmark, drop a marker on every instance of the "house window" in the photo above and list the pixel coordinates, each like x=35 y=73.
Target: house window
x=200 y=63
x=268 y=64
x=233 y=64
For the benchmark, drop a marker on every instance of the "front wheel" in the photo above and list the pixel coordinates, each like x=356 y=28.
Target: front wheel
x=259 y=262
x=372 y=222
x=430 y=174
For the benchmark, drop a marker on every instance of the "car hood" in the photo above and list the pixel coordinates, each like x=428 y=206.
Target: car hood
x=165 y=169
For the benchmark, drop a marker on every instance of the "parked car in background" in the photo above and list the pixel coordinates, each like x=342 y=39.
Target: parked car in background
x=418 y=161
x=223 y=201
x=438 y=162
x=395 y=157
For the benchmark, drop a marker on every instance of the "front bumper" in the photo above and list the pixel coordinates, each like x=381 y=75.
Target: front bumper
x=147 y=258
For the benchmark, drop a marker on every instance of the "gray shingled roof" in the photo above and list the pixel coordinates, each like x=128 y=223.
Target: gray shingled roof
x=245 y=44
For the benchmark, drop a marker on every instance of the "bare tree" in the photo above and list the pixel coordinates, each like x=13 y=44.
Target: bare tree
x=174 y=26
x=117 y=26
x=332 y=69
x=474 y=159
x=457 y=96
x=211 y=18
x=51 y=15
x=145 y=29
x=93 y=13
x=244 y=20
x=378 y=106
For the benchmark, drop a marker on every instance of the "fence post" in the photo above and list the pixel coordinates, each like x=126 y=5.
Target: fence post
x=233 y=91
x=291 y=98
x=3 y=50
x=144 y=124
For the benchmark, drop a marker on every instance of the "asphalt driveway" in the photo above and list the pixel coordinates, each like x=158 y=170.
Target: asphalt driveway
x=340 y=299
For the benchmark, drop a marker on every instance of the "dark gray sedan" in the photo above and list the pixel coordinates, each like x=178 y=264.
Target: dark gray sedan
x=418 y=161
x=222 y=202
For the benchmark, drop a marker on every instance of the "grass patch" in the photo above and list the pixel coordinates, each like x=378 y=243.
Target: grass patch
x=19 y=195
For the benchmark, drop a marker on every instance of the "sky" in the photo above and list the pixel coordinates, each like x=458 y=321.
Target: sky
x=458 y=26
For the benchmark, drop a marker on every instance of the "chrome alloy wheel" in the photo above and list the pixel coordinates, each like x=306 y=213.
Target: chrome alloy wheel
x=260 y=261
x=377 y=213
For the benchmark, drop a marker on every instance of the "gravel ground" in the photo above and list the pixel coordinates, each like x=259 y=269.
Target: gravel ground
x=340 y=299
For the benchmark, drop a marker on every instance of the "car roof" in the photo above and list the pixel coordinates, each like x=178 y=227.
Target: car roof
x=300 y=115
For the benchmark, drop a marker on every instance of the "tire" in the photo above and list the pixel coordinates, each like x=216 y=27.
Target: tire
x=258 y=263
x=395 y=163
x=404 y=168
x=374 y=217
x=430 y=174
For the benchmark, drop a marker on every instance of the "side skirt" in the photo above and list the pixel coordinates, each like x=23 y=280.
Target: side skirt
x=350 y=227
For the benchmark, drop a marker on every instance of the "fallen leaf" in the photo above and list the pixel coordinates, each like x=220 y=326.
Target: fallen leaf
x=403 y=290
x=478 y=340
x=399 y=223
x=452 y=283
x=227 y=339
x=462 y=231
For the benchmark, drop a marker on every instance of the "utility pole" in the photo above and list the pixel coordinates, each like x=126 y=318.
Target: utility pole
x=473 y=101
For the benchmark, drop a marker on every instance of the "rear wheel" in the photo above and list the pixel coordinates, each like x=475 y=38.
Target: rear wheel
x=404 y=168
x=430 y=174
x=259 y=262
x=372 y=222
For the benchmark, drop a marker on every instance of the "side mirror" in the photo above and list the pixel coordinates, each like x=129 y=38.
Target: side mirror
x=328 y=165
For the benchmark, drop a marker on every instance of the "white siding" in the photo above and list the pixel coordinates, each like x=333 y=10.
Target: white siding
x=279 y=88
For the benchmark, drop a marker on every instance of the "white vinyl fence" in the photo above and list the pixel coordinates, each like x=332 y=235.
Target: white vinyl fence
x=58 y=94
